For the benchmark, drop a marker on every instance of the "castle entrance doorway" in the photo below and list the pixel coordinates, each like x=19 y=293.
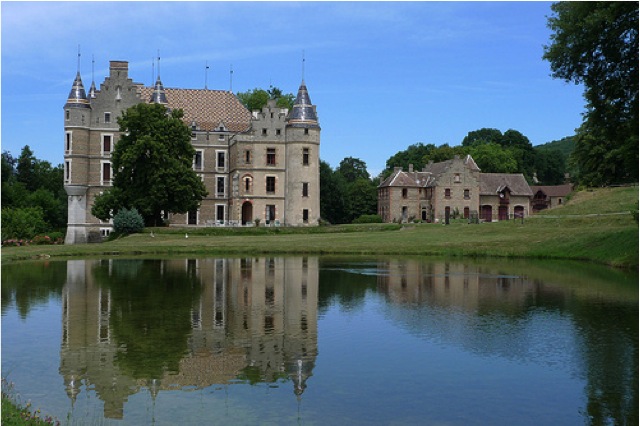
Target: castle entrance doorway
x=247 y=212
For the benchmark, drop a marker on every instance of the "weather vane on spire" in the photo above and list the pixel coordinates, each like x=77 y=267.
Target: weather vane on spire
x=303 y=64
x=206 y=72
x=78 y=58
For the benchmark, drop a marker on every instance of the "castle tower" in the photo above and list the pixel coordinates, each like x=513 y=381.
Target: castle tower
x=77 y=119
x=302 y=203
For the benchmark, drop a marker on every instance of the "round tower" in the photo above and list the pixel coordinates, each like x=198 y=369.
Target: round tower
x=302 y=133
x=77 y=119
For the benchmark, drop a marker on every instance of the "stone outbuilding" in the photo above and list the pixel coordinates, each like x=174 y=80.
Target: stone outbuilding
x=546 y=197
x=454 y=188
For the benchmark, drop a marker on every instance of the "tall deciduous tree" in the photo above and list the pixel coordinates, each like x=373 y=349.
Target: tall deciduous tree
x=152 y=165
x=596 y=44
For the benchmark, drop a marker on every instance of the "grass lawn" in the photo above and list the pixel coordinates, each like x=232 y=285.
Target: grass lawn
x=588 y=227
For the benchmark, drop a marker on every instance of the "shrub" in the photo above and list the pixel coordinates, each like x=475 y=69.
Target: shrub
x=368 y=218
x=23 y=223
x=127 y=222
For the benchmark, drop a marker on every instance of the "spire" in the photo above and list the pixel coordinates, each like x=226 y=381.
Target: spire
x=77 y=97
x=303 y=113
x=158 y=96
x=92 y=89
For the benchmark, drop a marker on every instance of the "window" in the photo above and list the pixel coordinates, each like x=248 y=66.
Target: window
x=106 y=144
x=264 y=132
x=271 y=184
x=247 y=156
x=305 y=215
x=456 y=178
x=278 y=131
x=67 y=144
x=220 y=137
x=405 y=192
x=305 y=156
x=306 y=131
x=305 y=189
x=270 y=212
x=221 y=159
x=107 y=117
x=106 y=173
x=220 y=186
x=197 y=160
x=271 y=156
x=247 y=184
x=220 y=213
x=192 y=217
x=67 y=114
x=67 y=171
x=466 y=194
x=194 y=136
x=447 y=193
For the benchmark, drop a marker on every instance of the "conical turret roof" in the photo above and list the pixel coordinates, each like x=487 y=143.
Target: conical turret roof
x=158 y=96
x=77 y=97
x=303 y=113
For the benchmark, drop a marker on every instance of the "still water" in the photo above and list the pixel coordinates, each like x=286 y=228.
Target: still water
x=308 y=340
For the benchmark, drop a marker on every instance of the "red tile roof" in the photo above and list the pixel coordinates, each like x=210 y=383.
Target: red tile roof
x=208 y=108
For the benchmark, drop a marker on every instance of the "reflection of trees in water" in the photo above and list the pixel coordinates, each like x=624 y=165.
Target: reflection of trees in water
x=150 y=313
x=342 y=284
x=32 y=283
x=590 y=315
x=609 y=337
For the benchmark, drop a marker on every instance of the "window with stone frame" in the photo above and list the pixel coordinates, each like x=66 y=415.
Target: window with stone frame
x=271 y=156
x=305 y=156
x=466 y=194
x=305 y=189
x=271 y=184
x=447 y=193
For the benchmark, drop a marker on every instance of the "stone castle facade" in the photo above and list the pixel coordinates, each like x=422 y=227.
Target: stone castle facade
x=256 y=165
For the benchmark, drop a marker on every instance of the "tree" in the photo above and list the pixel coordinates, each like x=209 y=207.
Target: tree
x=257 y=98
x=484 y=135
x=332 y=194
x=362 y=199
x=596 y=44
x=493 y=158
x=352 y=169
x=152 y=165
x=414 y=154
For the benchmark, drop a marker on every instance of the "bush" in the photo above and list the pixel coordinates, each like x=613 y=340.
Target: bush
x=368 y=218
x=127 y=222
x=24 y=223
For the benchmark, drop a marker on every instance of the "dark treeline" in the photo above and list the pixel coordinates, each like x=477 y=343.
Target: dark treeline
x=34 y=201
x=495 y=152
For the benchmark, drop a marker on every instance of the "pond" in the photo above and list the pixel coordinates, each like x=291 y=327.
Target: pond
x=321 y=340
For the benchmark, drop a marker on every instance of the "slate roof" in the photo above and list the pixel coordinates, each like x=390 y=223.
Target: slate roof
x=554 y=190
x=208 y=108
x=492 y=183
x=408 y=179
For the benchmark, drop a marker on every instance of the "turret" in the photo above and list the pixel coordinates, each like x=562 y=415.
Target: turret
x=302 y=207
x=158 y=96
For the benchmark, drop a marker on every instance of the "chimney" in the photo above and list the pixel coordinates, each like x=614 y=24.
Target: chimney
x=118 y=69
x=410 y=168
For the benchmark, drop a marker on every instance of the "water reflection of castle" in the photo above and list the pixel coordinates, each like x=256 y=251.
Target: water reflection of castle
x=253 y=320
x=450 y=283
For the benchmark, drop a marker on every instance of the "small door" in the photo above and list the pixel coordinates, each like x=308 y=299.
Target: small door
x=503 y=213
x=487 y=214
x=247 y=212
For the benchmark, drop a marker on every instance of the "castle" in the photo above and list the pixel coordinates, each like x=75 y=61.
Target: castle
x=257 y=166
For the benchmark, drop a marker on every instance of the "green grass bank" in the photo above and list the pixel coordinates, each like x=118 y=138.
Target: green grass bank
x=594 y=225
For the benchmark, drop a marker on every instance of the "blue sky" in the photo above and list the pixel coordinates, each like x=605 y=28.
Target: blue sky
x=384 y=75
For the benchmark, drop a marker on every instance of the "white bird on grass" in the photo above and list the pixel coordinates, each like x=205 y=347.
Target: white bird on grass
x=186 y=235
